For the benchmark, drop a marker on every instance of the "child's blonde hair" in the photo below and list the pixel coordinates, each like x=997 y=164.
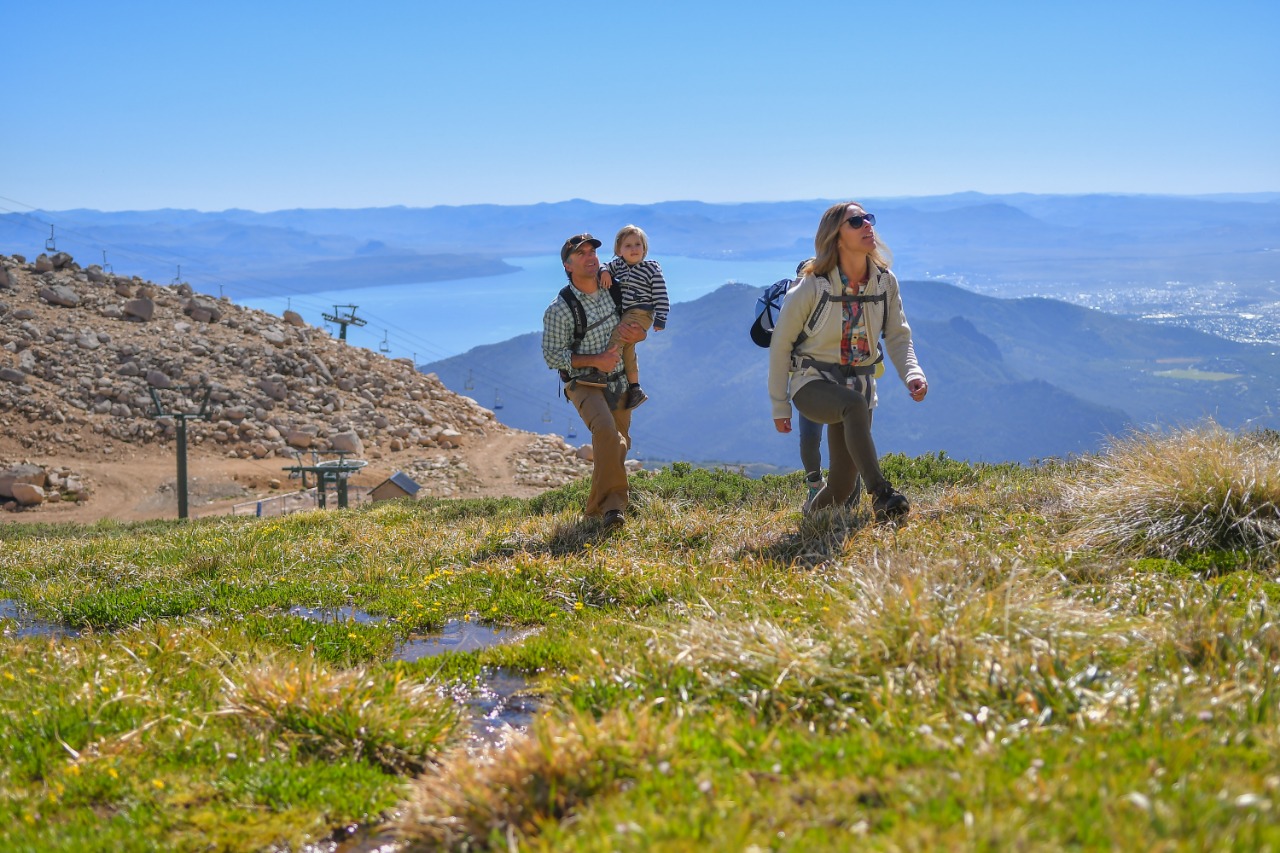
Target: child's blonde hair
x=626 y=231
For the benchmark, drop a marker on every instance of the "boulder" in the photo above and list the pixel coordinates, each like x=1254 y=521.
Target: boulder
x=60 y=294
x=27 y=495
x=347 y=442
x=274 y=388
x=141 y=308
x=156 y=379
x=25 y=473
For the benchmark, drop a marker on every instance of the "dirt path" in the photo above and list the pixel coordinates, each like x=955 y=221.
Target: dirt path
x=144 y=486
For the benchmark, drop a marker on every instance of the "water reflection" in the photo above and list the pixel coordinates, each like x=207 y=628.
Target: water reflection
x=17 y=621
x=336 y=614
x=498 y=705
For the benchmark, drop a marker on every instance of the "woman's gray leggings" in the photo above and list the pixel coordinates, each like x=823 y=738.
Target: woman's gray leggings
x=852 y=449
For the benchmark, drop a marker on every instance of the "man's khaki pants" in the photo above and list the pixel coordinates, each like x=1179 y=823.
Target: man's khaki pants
x=610 y=441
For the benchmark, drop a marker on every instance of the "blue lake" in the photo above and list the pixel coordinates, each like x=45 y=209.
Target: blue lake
x=438 y=319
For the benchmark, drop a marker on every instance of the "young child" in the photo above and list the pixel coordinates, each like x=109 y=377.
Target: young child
x=644 y=298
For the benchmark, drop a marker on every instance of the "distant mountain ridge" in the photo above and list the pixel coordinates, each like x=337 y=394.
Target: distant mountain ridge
x=997 y=238
x=1010 y=380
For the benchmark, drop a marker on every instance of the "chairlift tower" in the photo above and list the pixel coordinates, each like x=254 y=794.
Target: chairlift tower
x=344 y=319
x=182 y=418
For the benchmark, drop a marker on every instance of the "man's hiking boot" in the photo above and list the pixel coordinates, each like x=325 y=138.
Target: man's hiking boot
x=890 y=504
x=592 y=379
x=635 y=396
x=614 y=518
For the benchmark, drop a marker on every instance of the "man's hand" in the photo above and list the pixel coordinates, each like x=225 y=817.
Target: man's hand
x=782 y=424
x=631 y=333
x=603 y=361
x=918 y=388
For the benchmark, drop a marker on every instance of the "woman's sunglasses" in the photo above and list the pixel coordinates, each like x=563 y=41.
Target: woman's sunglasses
x=857 y=220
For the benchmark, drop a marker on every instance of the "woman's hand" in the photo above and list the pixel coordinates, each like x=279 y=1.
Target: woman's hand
x=782 y=424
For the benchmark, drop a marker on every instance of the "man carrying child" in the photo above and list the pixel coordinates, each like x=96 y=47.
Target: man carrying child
x=601 y=402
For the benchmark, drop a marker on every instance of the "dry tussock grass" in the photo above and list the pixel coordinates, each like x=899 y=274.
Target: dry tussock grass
x=910 y=635
x=472 y=800
x=396 y=724
x=1191 y=490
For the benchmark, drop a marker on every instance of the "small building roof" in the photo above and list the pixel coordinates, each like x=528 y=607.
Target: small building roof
x=405 y=482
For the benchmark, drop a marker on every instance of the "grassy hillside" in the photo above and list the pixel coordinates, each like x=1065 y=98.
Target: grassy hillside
x=1076 y=655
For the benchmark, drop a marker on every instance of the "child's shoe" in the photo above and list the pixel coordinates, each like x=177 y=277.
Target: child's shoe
x=635 y=396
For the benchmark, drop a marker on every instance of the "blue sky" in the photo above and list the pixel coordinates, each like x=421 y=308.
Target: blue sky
x=273 y=105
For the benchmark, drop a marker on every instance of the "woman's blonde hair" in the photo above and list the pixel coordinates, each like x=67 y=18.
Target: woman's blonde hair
x=827 y=240
x=626 y=231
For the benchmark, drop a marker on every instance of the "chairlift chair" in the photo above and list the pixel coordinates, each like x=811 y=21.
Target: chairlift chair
x=50 y=245
x=384 y=346
x=497 y=401
x=470 y=384
x=106 y=267
x=571 y=432
x=546 y=416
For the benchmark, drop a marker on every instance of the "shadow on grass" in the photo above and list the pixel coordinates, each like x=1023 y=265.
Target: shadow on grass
x=819 y=539
x=565 y=539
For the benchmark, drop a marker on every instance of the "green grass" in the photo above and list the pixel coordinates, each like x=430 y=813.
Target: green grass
x=1078 y=655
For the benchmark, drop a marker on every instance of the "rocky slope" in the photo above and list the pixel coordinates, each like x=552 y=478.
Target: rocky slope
x=85 y=355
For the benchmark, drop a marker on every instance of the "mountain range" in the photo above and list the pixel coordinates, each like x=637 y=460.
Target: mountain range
x=1013 y=375
x=1018 y=239
x=1010 y=380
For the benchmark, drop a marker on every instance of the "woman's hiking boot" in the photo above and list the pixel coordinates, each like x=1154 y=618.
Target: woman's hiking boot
x=815 y=486
x=890 y=504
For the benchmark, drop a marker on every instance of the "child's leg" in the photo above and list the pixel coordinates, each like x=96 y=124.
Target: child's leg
x=643 y=319
x=629 y=363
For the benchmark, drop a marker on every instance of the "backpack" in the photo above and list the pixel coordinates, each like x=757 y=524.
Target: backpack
x=769 y=305
x=767 y=308
x=570 y=297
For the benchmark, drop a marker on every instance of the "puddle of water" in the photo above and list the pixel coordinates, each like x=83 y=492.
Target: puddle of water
x=357 y=838
x=19 y=622
x=455 y=636
x=498 y=711
x=336 y=614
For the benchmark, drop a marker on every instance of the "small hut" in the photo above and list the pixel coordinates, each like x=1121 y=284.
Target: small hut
x=398 y=485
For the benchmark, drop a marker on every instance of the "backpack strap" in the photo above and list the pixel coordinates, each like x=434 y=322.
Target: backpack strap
x=569 y=295
x=579 y=316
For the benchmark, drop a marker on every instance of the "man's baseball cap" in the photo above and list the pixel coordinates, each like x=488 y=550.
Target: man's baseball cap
x=571 y=245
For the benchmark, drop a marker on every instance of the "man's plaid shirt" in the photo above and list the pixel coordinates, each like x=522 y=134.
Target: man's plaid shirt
x=557 y=330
